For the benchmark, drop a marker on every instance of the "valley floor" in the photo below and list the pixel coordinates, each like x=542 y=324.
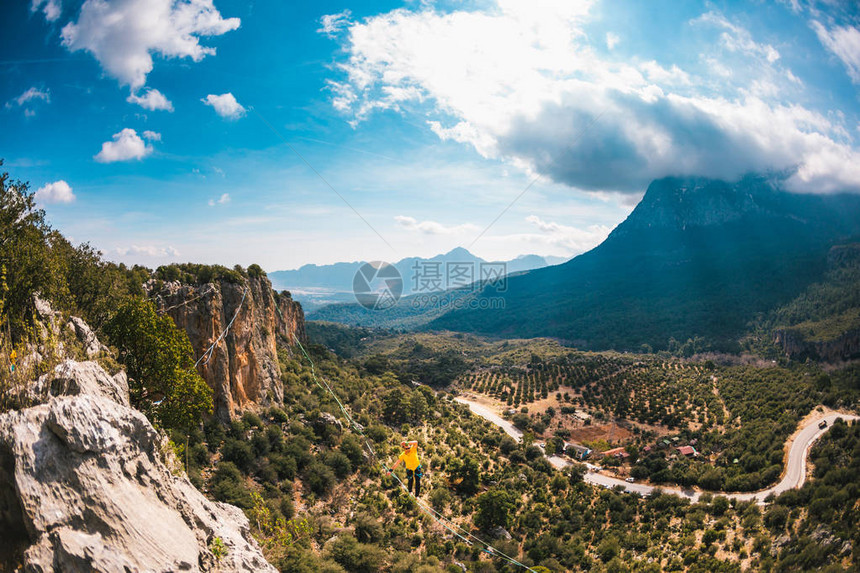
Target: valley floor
x=793 y=477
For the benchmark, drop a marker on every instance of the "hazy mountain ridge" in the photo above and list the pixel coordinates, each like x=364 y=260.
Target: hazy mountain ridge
x=317 y=285
x=697 y=257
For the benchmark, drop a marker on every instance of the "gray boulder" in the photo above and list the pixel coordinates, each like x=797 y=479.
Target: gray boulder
x=86 y=336
x=499 y=532
x=84 y=487
x=71 y=378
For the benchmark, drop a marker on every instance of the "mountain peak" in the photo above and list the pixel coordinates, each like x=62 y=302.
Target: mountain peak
x=459 y=252
x=678 y=203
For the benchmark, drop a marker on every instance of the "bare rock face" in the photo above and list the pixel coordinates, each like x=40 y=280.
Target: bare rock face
x=71 y=378
x=83 y=487
x=291 y=318
x=243 y=369
x=86 y=336
x=795 y=345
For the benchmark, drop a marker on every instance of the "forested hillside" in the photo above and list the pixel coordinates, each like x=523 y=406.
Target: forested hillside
x=696 y=258
x=823 y=322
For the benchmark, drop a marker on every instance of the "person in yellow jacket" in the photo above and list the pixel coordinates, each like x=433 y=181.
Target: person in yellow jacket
x=413 y=467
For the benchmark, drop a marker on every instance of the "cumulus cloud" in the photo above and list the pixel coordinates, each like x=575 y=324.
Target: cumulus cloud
x=224 y=199
x=122 y=35
x=151 y=135
x=152 y=100
x=126 y=145
x=433 y=227
x=50 y=8
x=225 y=105
x=844 y=43
x=147 y=251
x=332 y=24
x=56 y=192
x=521 y=82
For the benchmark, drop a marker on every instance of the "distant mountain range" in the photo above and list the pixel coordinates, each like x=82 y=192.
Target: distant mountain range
x=317 y=285
x=696 y=258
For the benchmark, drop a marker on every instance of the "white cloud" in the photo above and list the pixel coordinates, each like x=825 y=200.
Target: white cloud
x=332 y=24
x=152 y=100
x=126 y=145
x=521 y=83
x=147 y=251
x=738 y=39
x=224 y=199
x=151 y=135
x=51 y=8
x=660 y=75
x=28 y=98
x=122 y=35
x=612 y=40
x=572 y=239
x=844 y=43
x=33 y=94
x=56 y=192
x=433 y=227
x=225 y=105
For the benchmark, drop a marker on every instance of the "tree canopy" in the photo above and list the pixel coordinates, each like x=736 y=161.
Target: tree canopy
x=163 y=382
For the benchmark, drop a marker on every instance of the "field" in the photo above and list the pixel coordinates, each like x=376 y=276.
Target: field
x=583 y=386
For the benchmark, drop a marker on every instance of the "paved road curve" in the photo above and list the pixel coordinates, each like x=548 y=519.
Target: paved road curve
x=794 y=476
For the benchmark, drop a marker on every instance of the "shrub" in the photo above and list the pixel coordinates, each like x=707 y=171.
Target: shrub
x=239 y=453
x=339 y=463
x=319 y=478
x=354 y=556
x=284 y=466
x=494 y=509
x=228 y=486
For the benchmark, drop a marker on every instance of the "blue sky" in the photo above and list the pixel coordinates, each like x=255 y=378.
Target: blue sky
x=289 y=133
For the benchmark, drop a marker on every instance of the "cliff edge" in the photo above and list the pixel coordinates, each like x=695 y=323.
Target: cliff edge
x=242 y=369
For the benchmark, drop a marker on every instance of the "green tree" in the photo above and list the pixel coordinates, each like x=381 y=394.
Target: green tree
x=25 y=252
x=160 y=363
x=494 y=509
x=464 y=475
x=395 y=406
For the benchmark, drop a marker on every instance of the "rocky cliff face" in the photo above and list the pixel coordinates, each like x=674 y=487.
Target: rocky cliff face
x=84 y=487
x=795 y=345
x=242 y=368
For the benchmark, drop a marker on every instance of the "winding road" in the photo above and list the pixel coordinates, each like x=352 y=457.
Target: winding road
x=793 y=477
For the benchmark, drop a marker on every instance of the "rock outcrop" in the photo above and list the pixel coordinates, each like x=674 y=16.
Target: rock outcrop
x=243 y=369
x=84 y=487
x=72 y=378
x=795 y=345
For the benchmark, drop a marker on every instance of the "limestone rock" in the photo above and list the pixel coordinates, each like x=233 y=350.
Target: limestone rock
x=86 y=336
x=44 y=310
x=243 y=370
x=71 y=378
x=83 y=487
x=326 y=419
x=499 y=532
